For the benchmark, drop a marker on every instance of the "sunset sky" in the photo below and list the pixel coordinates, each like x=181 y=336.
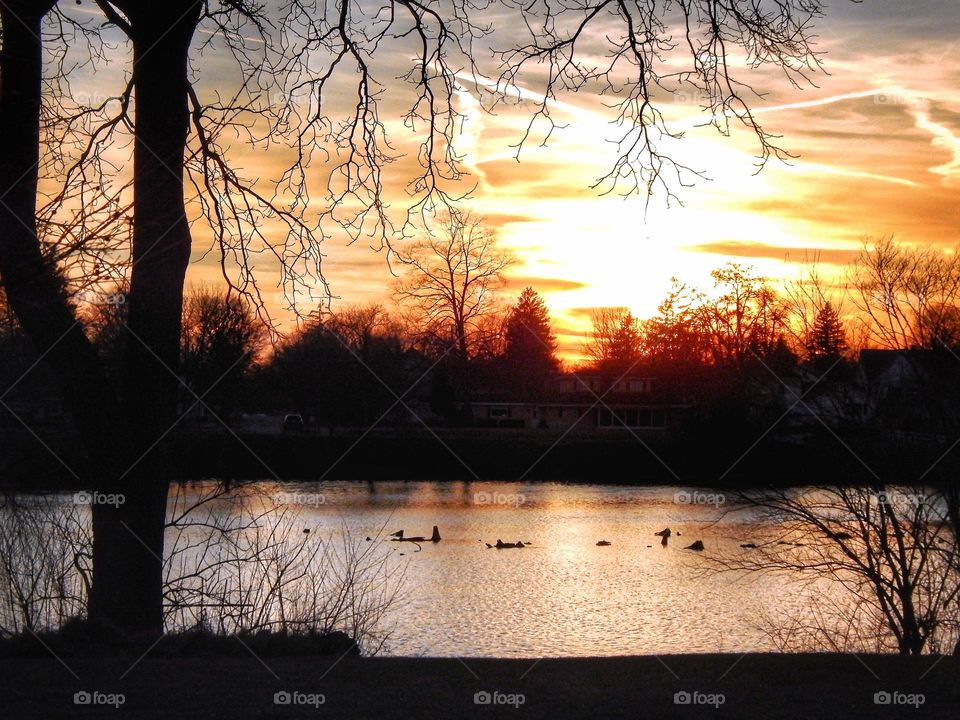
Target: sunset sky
x=878 y=141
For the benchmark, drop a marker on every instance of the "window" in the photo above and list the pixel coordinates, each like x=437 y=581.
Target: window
x=631 y=417
x=498 y=412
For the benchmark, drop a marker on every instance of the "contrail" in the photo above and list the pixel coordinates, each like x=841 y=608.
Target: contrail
x=831 y=170
x=818 y=102
x=944 y=138
x=942 y=134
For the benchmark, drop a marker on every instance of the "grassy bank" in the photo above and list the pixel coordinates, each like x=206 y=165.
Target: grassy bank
x=750 y=686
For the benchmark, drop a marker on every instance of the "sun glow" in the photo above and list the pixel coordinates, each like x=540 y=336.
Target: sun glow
x=876 y=155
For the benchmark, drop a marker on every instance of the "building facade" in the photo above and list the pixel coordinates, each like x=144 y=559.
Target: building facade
x=574 y=401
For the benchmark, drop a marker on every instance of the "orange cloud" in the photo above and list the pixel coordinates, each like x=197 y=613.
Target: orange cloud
x=542 y=284
x=736 y=248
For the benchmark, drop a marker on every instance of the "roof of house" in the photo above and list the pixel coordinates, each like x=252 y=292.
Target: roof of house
x=877 y=364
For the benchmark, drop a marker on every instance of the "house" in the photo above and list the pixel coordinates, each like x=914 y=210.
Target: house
x=812 y=397
x=911 y=391
x=588 y=402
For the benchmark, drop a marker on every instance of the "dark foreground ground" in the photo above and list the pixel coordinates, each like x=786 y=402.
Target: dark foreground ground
x=717 y=686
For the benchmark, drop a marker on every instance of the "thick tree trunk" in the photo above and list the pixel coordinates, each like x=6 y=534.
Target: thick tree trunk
x=128 y=539
x=34 y=291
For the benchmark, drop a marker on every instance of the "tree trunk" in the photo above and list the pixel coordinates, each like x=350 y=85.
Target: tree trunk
x=34 y=291
x=127 y=590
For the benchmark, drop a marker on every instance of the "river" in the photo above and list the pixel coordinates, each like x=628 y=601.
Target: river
x=562 y=595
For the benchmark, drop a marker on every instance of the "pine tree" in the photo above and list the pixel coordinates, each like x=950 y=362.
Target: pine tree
x=827 y=341
x=627 y=346
x=617 y=343
x=530 y=345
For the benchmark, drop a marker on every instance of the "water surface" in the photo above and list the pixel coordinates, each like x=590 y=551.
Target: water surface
x=563 y=595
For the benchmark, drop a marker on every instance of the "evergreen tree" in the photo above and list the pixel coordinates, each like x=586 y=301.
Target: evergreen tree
x=530 y=345
x=827 y=341
x=617 y=342
x=627 y=346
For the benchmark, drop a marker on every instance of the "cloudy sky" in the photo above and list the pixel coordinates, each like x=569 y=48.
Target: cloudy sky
x=877 y=140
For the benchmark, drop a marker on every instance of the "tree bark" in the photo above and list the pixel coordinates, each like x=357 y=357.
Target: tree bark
x=127 y=587
x=118 y=432
x=34 y=291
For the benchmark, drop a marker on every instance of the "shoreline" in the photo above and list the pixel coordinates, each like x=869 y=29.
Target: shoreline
x=608 y=458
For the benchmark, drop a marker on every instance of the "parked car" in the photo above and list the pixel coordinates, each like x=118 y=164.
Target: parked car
x=293 y=422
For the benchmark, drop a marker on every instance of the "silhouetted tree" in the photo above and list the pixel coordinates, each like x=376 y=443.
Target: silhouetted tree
x=627 y=346
x=942 y=324
x=805 y=297
x=827 y=342
x=746 y=321
x=334 y=369
x=116 y=427
x=892 y=548
x=616 y=343
x=530 y=353
x=221 y=339
x=451 y=279
x=104 y=314
x=492 y=335
x=673 y=340
x=908 y=297
x=302 y=376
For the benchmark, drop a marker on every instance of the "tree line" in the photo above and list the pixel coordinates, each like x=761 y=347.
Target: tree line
x=892 y=296
x=449 y=334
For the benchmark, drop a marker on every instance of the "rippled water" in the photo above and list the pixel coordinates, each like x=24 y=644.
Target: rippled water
x=563 y=595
